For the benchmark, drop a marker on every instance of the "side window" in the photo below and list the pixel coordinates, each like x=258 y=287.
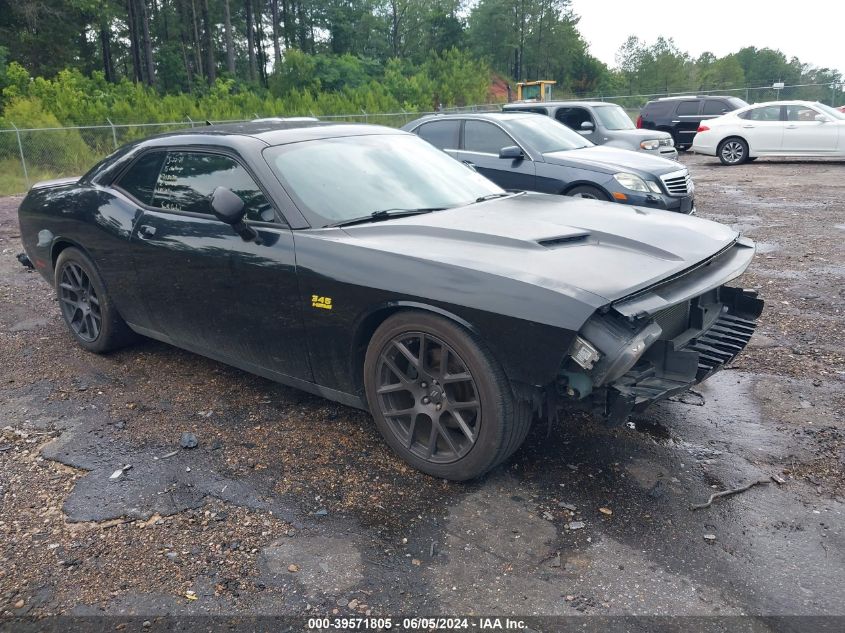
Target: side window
x=714 y=107
x=480 y=136
x=800 y=113
x=687 y=108
x=764 y=113
x=140 y=180
x=188 y=179
x=441 y=134
x=573 y=117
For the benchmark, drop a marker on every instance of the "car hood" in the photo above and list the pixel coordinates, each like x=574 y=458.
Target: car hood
x=610 y=160
x=593 y=250
x=640 y=134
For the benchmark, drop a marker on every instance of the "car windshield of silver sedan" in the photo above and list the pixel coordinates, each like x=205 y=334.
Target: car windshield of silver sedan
x=544 y=134
x=613 y=117
x=337 y=180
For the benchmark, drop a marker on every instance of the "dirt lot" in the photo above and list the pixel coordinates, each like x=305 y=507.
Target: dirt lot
x=292 y=505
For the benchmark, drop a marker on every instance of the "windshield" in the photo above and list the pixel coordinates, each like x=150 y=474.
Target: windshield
x=544 y=134
x=836 y=114
x=338 y=179
x=613 y=117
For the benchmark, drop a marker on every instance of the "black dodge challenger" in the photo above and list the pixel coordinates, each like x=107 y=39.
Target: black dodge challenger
x=362 y=264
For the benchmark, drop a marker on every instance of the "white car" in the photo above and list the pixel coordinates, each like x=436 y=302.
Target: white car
x=777 y=128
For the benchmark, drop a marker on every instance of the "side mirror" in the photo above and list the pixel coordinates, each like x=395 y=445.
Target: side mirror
x=229 y=208
x=511 y=151
x=587 y=127
x=821 y=118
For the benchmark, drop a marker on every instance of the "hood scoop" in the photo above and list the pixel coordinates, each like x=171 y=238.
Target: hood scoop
x=563 y=240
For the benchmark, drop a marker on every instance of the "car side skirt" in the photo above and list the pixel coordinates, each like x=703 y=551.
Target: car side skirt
x=348 y=399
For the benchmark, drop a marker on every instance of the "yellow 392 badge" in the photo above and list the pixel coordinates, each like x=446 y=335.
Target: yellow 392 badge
x=323 y=303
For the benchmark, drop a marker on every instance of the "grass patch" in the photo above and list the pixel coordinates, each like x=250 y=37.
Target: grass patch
x=12 y=181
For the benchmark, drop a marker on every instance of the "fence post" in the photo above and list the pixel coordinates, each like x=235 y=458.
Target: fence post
x=190 y=119
x=23 y=160
x=113 y=133
x=366 y=118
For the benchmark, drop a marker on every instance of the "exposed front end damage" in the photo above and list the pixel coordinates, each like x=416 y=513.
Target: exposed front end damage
x=663 y=340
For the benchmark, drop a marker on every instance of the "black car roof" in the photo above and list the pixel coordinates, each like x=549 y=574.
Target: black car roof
x=271 y=132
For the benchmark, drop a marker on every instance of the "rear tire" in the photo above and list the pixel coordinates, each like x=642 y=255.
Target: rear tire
x=455 y=420
x=733 y=151
x=87 y=309
x=586 y=191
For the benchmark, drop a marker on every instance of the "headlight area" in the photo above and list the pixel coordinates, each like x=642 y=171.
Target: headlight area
x=633 y=182
x=625 y=364
x=604 y=351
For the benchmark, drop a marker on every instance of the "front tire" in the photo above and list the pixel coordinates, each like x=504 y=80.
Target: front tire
x=87 y=309
x=588 y=192
x=440 y=399
x=733 y=151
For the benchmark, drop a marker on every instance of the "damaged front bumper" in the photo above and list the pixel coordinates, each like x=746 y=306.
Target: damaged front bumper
x=664 y=340
x=687 y=352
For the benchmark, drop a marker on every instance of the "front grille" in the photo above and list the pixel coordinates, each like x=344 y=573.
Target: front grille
x=673 y=321
x=721 y=343
x=678 y=183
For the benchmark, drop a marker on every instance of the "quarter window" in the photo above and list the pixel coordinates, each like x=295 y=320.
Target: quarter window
x=188 y=179
x=714 y=107
x=140 y=179
x=480 y=136
x=687 y=108
x=441 y=134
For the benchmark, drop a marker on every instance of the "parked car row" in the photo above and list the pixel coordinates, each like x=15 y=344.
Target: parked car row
x=722 y=126
x=389 y=273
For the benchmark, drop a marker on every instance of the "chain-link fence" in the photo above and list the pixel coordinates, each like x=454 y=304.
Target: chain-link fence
x=28 y=155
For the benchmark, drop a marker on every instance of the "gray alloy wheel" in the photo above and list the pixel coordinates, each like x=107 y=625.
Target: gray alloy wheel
x=733 y=151
x=79 y=302
x=86 y=307
x=428 y=397
x=439 y=397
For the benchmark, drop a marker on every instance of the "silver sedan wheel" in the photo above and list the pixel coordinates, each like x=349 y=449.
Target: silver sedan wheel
x=733 y=152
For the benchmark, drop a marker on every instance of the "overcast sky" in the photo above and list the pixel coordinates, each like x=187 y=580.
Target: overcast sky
x=811 y=31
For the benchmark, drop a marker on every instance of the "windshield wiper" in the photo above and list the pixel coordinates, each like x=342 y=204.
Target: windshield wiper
x=385 y=214
x=505 y=194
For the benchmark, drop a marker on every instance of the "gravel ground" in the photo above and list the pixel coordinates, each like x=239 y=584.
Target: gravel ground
x=267 y=516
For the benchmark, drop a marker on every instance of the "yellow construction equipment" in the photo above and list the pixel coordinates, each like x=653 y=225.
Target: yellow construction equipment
x=535 y=90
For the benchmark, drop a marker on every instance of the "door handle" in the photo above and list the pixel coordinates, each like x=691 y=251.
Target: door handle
x=145 y=230
x=791 y=127
x=673 y=121
x=748 y=126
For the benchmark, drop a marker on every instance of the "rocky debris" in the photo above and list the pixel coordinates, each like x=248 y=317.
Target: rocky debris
x=188 y=440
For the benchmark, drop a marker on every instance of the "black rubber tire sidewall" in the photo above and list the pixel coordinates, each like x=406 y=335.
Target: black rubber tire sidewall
x=497 y=401
x=114 y=333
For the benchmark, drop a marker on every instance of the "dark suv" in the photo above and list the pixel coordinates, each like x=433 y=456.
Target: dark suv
x=681 y=116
